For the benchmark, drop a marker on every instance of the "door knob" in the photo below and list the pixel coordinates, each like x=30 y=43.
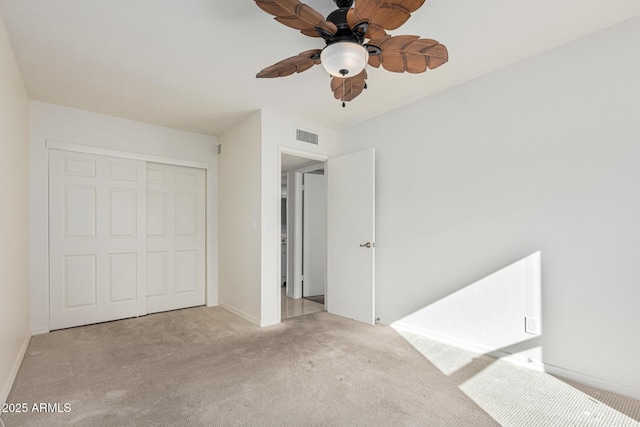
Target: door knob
x=366 y=245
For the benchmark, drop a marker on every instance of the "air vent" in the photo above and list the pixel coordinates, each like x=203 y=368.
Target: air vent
x=219 y=149
x=304 y=136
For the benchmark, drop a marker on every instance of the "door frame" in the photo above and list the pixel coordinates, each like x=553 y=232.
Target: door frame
x=298 y=234
x=294 y=228
x=89 y=149
x=284 y=178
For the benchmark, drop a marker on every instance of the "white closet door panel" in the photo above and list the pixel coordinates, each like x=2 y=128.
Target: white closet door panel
x=123 y=171
x=80 y=211
x=97 y=217
x=157 y=274
x=124 y=212
x=156 y=213
x=80 y=167
x=156 y=174
x=186 y=271
x=176 y=237
x=79 y=281
x=123 y=277
x=186 y=215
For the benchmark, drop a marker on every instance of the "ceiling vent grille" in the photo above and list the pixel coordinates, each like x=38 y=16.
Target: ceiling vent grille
x=304 y=136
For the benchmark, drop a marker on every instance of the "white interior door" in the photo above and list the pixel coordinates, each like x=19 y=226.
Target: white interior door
x=176 y=237
x=351 y=236
x=97 y=238
x=314 y=259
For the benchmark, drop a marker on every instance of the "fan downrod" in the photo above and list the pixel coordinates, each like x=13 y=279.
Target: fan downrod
x=343 y=3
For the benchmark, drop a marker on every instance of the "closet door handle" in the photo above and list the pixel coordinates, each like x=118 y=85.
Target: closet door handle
x=366 y=245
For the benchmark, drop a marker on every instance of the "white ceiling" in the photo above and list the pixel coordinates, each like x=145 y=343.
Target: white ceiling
x=191 y=64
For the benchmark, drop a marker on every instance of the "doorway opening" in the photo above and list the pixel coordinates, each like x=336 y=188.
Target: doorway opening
x=303 y=235
x=350 y=232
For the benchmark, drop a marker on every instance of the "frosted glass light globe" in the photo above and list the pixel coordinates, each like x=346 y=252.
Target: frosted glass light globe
x=344 y=59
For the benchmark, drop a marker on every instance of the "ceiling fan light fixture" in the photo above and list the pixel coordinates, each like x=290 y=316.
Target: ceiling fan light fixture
x=345 y=31
x=344 y=59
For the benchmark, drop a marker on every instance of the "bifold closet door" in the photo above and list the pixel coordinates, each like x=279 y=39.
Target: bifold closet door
x=175 y=237
x=97 y=253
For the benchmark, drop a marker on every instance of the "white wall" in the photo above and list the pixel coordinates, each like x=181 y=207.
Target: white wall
x=279 y=135
x=47 y=121
x=14 y=217
x=239 y=196
x=249 y=203
x=488 y=315
x=539 y=156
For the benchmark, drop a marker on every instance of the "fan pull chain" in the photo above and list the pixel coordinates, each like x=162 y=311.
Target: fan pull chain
x=343 y=104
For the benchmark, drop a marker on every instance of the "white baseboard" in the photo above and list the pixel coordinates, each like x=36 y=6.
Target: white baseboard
x=40 y=331
x=6 y=387
x=240 y=313
x=264 y=325
x=600 y=383
x=212 y=299
x=520 y=360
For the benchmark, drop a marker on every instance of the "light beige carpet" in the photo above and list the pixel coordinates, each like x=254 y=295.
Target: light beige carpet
x=205 y=366
x=515 y=395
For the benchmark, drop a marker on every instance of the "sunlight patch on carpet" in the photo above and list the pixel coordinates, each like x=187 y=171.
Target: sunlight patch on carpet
x=515 y=395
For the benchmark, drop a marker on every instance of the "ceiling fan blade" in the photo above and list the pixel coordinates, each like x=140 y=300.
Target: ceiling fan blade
x=295 y=14
x=346 y=89
x=295 y=64
x=375 y=31
x=409 y=54
x=386 y=14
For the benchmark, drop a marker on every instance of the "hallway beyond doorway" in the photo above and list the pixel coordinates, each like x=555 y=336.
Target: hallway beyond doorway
x=298 y=307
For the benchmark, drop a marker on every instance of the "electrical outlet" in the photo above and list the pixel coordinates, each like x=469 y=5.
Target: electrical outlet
x=531 y=325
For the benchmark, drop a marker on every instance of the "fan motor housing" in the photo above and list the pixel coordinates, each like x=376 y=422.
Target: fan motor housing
x=344 y=33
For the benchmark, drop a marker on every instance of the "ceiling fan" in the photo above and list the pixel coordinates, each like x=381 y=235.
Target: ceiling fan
x=345 y=31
